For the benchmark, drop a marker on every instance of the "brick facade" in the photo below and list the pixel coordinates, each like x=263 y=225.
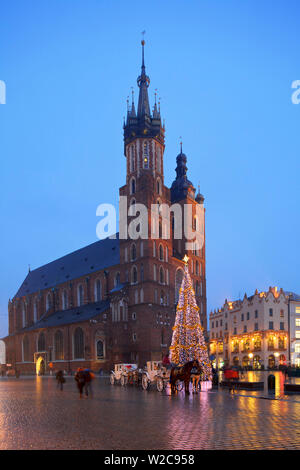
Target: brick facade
x=136 y=297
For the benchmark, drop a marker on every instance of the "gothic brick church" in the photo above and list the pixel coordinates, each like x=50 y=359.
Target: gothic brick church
x=114 y=300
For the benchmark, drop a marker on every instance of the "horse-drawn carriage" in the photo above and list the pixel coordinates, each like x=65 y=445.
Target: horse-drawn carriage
x=125 y=374
x=155 y=373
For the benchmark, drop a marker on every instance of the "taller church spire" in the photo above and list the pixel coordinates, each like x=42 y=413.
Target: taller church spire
x=143 y=124
x=143 y=82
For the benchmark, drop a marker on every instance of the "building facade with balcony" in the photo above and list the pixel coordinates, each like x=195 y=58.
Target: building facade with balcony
x=252 y=332
x=294 y=325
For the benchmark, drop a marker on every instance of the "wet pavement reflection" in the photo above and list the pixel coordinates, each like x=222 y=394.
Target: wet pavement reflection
x=34 y=414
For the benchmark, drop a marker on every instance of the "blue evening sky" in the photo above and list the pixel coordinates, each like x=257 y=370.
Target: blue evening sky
x=223 y=70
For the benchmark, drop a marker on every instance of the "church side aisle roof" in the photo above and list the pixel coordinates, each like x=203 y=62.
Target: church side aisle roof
x=72 y=315
x=91 y=258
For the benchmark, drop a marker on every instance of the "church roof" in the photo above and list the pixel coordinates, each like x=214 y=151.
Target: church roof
x=72 y=315
x=95 y=257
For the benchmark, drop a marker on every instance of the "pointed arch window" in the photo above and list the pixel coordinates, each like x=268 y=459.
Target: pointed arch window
x=41 y=342
x=132 y=161
x=134 y=275
x=48 y=302
x=26 y=355
x=80 y=294
x=160 y=229
x=23 y=315
x=133 y=252
x=117 y=279
x=132 y=186
x=35 y=310
x=65 y=300
x=158 y=160
x=161 y=275
x=158 y=186
x=59 y=346
x=98 y=291
x=161 y=253
x=100 y=349
x=78 y=344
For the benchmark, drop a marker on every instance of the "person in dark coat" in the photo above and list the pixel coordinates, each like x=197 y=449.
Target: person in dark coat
x=80 y=380
x=60 y=379
x=89 y=376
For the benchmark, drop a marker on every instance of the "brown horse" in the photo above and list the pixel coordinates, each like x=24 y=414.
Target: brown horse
x=182 y=373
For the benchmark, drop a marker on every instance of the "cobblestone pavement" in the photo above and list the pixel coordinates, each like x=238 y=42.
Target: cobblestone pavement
x=34 y=414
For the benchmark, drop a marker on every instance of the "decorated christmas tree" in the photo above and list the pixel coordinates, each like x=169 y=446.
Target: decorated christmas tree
x=188 y=342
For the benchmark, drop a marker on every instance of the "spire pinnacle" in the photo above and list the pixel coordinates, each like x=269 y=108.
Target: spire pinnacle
x=143 y=82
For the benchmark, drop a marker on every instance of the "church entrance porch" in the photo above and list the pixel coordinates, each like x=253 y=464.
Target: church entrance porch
x=40 y=360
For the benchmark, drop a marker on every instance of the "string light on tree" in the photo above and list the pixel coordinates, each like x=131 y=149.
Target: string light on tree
x=188 y=342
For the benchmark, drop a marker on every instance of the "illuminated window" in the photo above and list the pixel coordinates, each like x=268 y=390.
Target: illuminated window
x=146 y=155
x=297 y=321
x=297 y=348
x=297 y=309
x=298 y=334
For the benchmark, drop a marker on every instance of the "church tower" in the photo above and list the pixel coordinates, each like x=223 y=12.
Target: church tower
x=146 y=259
x=152 y=264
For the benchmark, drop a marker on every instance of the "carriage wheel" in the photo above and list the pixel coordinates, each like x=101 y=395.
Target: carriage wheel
x=123 y=380
x=160 y=384
x=145 y=382
x=112 y=379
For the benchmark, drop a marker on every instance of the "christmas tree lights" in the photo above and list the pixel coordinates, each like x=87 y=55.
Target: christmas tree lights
x=188 y=342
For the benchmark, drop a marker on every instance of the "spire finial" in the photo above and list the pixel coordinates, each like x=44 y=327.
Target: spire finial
x=143 y=44
x=180 y=144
